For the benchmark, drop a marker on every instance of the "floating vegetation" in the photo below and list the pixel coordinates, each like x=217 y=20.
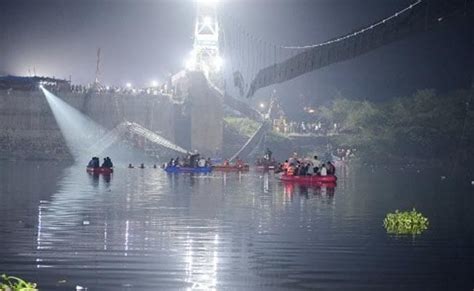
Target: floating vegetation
x=10 y=283
x=407 y=222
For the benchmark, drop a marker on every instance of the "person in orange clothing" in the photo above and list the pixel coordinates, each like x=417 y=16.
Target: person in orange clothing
x=291 y=170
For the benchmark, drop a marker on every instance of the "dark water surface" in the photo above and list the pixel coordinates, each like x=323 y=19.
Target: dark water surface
x=146 y=230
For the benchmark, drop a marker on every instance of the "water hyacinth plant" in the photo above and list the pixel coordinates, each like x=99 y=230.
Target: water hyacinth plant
x=11 y=283
x=407 y=222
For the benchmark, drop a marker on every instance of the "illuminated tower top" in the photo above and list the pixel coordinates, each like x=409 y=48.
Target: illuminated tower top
x=205 y=54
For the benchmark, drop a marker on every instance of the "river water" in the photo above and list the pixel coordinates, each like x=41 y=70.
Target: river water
x=143 y=229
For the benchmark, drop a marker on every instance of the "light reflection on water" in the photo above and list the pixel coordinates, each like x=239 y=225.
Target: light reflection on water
x=141 y=229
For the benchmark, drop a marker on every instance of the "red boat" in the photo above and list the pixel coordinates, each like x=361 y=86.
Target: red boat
x=100 y=170
x=330 y=179
x=244 y=167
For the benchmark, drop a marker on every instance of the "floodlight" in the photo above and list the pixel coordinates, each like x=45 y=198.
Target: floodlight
x=217 y=63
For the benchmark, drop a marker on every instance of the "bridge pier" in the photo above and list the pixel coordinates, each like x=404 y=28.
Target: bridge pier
x=206 y=115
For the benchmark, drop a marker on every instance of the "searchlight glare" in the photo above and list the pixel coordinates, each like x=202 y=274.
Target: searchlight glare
x=154 y=83
x=218 y=62
x=79 y=131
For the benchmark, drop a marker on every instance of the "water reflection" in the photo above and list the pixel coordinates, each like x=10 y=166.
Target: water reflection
x=201 y=263
x=147 y=230
x=144 y=216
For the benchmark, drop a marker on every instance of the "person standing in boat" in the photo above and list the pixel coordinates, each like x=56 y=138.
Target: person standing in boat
x=291 y=170
x=323 y=172
x=268 y=154
x=331 y=169
x=91 y=163
x=95 y=162
x=109 y=162
x=202 y=163
x=316 y=164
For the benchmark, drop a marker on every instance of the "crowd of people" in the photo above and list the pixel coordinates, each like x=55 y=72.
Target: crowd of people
x=191 y=160
x=296 y=166
x=292 y=127
x=95 y=163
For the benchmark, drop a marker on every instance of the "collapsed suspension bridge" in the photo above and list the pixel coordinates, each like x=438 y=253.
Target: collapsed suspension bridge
x=254 y=63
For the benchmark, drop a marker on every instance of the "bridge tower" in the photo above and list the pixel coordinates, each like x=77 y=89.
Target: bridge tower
x=205 y=55
x=204 y=103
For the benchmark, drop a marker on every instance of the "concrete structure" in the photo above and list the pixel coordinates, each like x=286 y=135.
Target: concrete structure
x=207 y=116
x=29 y=130
x=201 y=122
x=192 y=117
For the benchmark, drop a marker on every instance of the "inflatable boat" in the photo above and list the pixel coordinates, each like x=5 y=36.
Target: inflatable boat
x=174 y=169
x=100 y=170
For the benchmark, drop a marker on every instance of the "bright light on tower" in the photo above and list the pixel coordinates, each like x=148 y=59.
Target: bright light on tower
x=262 y=105
x=190 y=62
x=205 y=56
x=209 y=2
x=154 y=83
x=218 y=62
x=207 y=20
x=129 y=85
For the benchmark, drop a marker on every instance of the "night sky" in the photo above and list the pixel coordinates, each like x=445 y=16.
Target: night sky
x=142 y=40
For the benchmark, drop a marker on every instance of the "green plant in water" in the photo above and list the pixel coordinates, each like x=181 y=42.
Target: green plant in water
x=407 y=222
x=11 y=283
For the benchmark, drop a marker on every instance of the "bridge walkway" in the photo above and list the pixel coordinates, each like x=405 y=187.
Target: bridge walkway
x=120 y=131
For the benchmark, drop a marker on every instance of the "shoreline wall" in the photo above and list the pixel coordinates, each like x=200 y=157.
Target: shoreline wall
x=28 y=129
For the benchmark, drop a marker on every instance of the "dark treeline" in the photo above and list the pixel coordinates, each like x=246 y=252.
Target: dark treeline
x=427 y=126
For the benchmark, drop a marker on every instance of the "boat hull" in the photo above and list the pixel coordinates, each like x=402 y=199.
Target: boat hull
x=330 y=179
x=188 y=170
x=231 y=168
x=105 y=171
